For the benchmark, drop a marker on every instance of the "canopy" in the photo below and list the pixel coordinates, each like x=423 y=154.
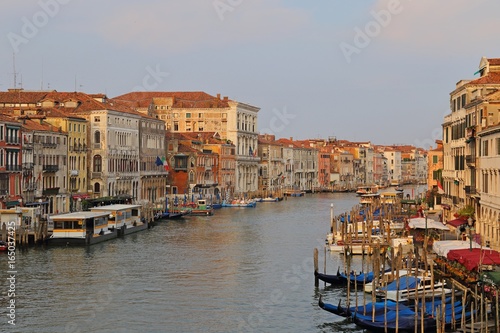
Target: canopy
x=420 y=223
x=457 y=222
x=472 y=258
x=492 y=277
x=441 y=248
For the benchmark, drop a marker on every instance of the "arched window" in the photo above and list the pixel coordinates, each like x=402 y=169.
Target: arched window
x=97 y=163
x=97 y=188
x=97 y=137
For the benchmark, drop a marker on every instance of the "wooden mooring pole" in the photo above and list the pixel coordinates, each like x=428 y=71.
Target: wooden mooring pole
x=316 y=280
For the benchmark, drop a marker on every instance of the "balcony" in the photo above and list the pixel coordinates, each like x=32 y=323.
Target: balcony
x=470 y=160
x=96 y=175
x=469 y=190
x=29 y=187
x=97 y=145
x=49 y=145
x=13 y=168
x=27 y=166
x=51 y=191
x=50 y=168
x=12 y=140
x=470 y=132
x=73 y=173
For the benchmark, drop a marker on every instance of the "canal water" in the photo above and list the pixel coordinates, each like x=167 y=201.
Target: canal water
x=240 y=270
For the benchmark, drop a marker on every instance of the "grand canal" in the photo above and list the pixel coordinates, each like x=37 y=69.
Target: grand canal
x=241 y=270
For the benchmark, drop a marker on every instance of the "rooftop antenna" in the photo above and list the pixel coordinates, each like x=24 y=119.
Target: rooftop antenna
x=41 y=84
x=14 y=68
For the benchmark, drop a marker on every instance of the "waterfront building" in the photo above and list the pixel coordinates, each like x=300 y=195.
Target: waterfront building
x=182 y=159
x=10 y=162
x=76 y=127
x=201 y=112
x=435 y=166
x=301 y=165
x=343 y=165
x=226 y=153
x=380 y=172
x=203 y=164
x=393 y=165
x=50 y=156
x=488 y=213
x=271 y=166
x=469 y=149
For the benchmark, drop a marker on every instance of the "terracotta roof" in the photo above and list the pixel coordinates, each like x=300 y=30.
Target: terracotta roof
x=21 y=96
x=37 y=125
x=193 y=99
x=494 y=61
x=490 y=78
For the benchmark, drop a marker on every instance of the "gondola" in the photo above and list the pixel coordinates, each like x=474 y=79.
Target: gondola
x=335 y=279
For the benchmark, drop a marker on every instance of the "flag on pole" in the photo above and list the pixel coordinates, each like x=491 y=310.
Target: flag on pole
x=158 y=161
x=165 y=163
x=440 y=187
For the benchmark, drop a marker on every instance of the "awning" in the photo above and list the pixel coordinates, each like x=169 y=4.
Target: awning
x=441 y=248
x=473 y=258
x=13 y=203
x=36 y=203
x=80 y=196
x=457 y=222
x=492 y=277
x=421 y=223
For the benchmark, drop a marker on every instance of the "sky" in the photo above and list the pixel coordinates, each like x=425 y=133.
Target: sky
x=363 y=70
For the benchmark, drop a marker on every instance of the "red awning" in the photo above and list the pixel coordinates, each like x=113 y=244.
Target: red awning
x=456 y=223
x=471 y=259
x=80 y=196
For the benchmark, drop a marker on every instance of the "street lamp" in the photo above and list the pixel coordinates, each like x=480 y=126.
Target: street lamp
x=469 y=223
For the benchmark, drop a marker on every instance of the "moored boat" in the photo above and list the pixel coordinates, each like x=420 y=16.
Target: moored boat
x=270 y=199
x=3 y=246
x=200 y=208
x=81 y=228
x=240 y=203
x=125 y=218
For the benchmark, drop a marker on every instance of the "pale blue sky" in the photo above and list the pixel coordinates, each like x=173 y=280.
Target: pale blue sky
x=378 y=71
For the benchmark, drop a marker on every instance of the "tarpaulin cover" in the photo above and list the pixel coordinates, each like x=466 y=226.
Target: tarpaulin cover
x=472 y=258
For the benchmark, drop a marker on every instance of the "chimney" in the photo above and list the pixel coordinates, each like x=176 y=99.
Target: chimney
x=225 y=99
x=291 y=138
x=218 y=96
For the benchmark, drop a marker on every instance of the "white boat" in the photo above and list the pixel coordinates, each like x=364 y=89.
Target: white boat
x=422 y=286
x=270 y=199
x=388 y=277
x=367 y=189
x=126 y=219
x=81 y=228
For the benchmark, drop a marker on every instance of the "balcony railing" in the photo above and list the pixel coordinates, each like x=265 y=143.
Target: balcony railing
x=470 y=190
x=49 y=145
x=29 y=187
x=51 y=168
x=27 y=166
x=96 y=175
x=13 y=140
x=51 y=191
x=13 y=168
x=470 y=160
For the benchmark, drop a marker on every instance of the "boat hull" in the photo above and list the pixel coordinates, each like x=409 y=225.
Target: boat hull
x=74 y=241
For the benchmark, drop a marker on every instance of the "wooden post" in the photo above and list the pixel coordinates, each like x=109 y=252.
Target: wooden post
x=332 y=230
x=316 y=280
x=324 y=263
